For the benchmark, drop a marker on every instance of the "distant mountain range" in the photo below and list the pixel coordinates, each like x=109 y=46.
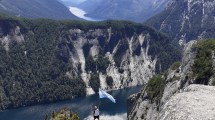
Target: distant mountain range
x=186 y=20
x=51 y=9
x=135 y=10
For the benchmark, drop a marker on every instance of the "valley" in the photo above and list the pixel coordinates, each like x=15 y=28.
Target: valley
x=82 y=105
x=133 y=10
x=155 y=56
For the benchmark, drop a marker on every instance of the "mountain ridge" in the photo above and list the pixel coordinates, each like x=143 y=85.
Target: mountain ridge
x=134 y=10
x=185 y=20
x=51 y=9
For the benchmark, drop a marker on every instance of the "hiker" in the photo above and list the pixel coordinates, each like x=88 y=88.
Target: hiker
x=96 y=113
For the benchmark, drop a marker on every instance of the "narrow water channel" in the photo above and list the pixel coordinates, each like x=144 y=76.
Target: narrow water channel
x=82 y=105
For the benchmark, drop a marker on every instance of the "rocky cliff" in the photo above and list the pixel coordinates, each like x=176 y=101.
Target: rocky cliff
x=179 y=96
x=185 y=20
x=46 y=60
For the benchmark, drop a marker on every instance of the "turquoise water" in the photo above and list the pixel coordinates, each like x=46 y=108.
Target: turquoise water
x=83 y=106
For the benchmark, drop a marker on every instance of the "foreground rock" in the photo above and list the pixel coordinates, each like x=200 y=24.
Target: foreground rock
x=196 y=102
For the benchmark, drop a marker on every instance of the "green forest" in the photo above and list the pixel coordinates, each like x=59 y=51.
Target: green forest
x=203 y=63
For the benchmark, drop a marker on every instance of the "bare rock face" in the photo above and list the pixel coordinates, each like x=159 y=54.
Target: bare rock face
x=14 y=36
x=196 y=102
x=135 y=69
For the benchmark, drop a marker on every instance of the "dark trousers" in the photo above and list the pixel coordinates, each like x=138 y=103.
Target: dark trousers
x=96 y=117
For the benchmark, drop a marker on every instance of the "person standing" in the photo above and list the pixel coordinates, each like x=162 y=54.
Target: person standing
x=96 y=113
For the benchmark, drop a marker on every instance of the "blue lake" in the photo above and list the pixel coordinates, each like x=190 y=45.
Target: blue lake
x=82 y=105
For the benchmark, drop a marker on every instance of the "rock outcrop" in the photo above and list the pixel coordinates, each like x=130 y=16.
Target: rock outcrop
x=194 y=103
x=181 y=97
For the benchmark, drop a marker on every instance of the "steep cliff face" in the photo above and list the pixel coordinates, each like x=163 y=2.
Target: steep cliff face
x=180 y=95
x=128 y=62
x=130 y=57
x=46 y=60
x=185 y=20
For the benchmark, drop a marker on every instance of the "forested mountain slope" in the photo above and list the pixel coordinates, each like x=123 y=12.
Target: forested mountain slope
x=46 y=60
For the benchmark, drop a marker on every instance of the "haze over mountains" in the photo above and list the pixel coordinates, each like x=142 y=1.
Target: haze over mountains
x=52 y=9
x=135 y=10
